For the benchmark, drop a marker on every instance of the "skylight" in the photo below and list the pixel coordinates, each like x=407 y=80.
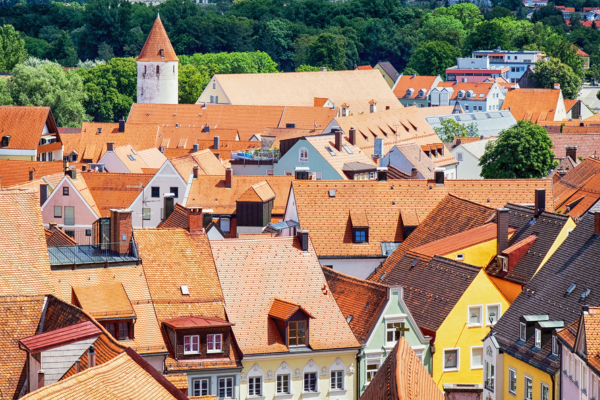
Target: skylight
x=134 y=152
x=131 y=157
x=330 y=150
x=348 y=149
x=331 y=193
x=185 y=290
x=585 y=294
x=414 y=263
x=571 y=288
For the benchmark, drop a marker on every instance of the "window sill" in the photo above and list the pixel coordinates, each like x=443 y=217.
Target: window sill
x=337 y=392
x=190 y=353
x=261 y=397
x=512 y=393
x=311 y=395
x=474 y=325
x=284 y=396
x=451 y=370
x=476 y=368
x=214 y=351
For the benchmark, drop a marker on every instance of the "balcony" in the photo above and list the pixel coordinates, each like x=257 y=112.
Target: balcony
x=90 y=255
x=256 y=157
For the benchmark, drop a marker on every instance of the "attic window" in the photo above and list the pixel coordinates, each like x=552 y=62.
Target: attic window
x=538 y=338
x=332 y=193
x=5 y=141
x=571 y=288
x=422 y=92
x=330 y=150
x=349 y=318
x=585 y=294
x=522 y=331
x=130 y=157
x=297 y=333
x=360 y=235
x=99 y=131
x=554 y=346
x=162 y=55
x=460 y=257
x=185 y=290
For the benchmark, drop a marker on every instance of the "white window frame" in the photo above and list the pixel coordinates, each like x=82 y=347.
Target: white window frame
x=146 y=214
x=226 y=378
x=460 y=257
x=192 y=351
x=459 y=156
x=513 y=372
x=469 y=308
x=300 y=157
x=538 y=338
x=487 y=313
x=289 y=384
x=585 y=375
x=198 y=392
x=214 y=336
x=393 y=330
x=530 y=379
x=304 y=375
x=367 y=371
x=221 y=220
x=522 y=332
x=476 y=366
x=489 y=373
x=333 y=380
x=454 y=369
x=542 y=386
x=555 y=348
x=252 y=392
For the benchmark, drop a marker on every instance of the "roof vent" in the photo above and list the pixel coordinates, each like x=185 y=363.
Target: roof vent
x=349 y=318
x=185 y=290
x=571 y=288
x=332 y=193
x=99 y=131
x=415 y=261
x=585 y=294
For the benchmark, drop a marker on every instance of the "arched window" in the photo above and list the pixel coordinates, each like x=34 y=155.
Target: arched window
x=303 y=154
x=337 y=375
x=157 y=70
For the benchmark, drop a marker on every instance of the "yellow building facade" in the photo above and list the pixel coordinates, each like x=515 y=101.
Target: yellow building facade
x=457 y=335
x=327 y=365
x=387 y=78
x=523 y=370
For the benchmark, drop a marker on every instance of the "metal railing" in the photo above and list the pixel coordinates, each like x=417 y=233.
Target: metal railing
x=93 y=253
x=256 y=155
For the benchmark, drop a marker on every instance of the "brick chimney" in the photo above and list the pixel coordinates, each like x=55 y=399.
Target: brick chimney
x=121 y=230
x=338 y=140
x=195 y=171
x=52 y=226
x=303 y=238
x=110 y=146
x=121 y=125
x=501 y=230
x=77 y=366
x=352 y=136
x=195 y=218
x=92 y=356
x=572 y=152
x=597 y=222
x=414 y=174
x=540 y=202
x=557 y=86
x=228 y=177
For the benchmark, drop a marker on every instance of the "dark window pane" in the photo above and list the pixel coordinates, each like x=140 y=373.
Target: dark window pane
x=155 y=192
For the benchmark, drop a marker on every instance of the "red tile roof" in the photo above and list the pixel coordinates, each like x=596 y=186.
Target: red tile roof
x=105 y=301
x=113 y=190
x=25 y=125
x=413 y=82
x=207 y=164
x=284 y=310
x=196 y=322
x=535 y=105
x=57 y=237
x=157 y=42
x=587 y=145
x=364 y=67
x=360 y=300
x=258 y=193
x=478 y=88
x=402 y=377
x=14 y=172
x=61 y=337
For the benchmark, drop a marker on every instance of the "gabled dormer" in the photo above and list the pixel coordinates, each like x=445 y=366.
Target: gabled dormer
x=527 y=325
x=255 y=206
x=544 y=331
x=360 y=227
x=292 y=322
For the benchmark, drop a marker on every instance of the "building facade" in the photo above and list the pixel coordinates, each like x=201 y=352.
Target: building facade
x=517 y=60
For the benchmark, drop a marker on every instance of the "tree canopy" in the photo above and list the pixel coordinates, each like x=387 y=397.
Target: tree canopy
x=521 y=151
x=452 y=129
x=547 y=73
x=12 y=48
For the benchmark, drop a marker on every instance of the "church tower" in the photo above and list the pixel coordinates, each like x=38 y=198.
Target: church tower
x=157 y=69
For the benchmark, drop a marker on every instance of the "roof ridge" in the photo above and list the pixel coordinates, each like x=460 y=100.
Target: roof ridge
x=468 y=201
x=458 y=264
x=351 y=278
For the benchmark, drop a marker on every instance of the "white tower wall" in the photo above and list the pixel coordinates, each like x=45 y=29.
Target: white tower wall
x=161 y=88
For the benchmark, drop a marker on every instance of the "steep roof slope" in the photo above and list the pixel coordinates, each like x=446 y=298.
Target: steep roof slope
x=276 y=268
x=402 y=377
x=587 y=145
x=533 y=105
x=23 y=249
x=206 y=161
x=25 y=125
x=14 y=172
x=158 y=46
x=114 y=190
x=413 y=82
x=355 y=87
x=339 y=158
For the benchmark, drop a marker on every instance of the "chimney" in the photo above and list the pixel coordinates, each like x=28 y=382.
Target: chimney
x=52 y=226
x=439 y=177
x=375 y=158
x=41 y=378
x=92 y=355
x=303 y=238
x=382 y=174
x=195 y=171
x=228 y=177
x=501 y=229
x=195 y=147
x=572 y=152
x=352 y=137
x=458 y=142
x=31 y=171
x=597 y=222
x=557 y=86
x=414 y=174
x=540 y=202
x=324 y=69
x=43 y=193
x=77 y=366
x=121 y=230
x=338 y=140
x=110 y=146
x=372 y=106
x=195 y=218
x=121 y=125
x=387 y=107
x=216 y=142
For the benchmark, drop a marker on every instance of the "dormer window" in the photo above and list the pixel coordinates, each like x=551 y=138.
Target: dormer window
x=538 y=338
x=5 y=141
x=191 y=344
x=292 y=322
x=410 y=92
x=522 y=332
x=162 y=55
x=554 y=345
x=461 y=94
x=360 y=235
x=214 y=343
x=360 y=227
x=422 y=92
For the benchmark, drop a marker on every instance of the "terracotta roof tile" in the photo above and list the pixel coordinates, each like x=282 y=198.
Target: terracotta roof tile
x=354 y=87
x=179 y=218
x=57 y=237
x=14 y=172
x=23 y=249
x=588 y=145
x=207 y=164
x=337 y=161
x=61 y=337
x=535 y=105
x=276 y=268
x=107 y=348
x=247 y=120
x=327 y=218
x=106 y=301
x=124 y=377
x=284 y=310
x=413 y=82
x=582 y=179
x=112 y=190
x=477 y=87
x=364 y=67
x=158 y=46
x=81 y=185
x=402 y=377
x=209 y=192
x=180 y=381
x=361 y=301
x=258 y=193
x=271 y=137
x=134 y=166
x=395 y=173
x=25 y=125
x=153 y=158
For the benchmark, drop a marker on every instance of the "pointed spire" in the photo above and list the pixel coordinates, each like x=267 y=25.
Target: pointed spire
x=158 y=47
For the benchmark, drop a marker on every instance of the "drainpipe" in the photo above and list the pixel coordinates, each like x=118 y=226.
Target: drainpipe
x=358 y=358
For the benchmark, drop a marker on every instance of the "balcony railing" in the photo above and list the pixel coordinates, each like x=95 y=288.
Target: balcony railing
x=104 y=254
x=255 y=155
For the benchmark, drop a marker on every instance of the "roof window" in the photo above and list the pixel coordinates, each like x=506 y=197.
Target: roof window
x=131 y=157
x=330 y=150
x=571 y=288
x=162 y=53
x=585 y=294
x=133 y=151
x=99 y=131
x=185 y=290
x=332 y=193
x=422 y=92
x=5 y=141
x=409 y=92
x=345 y=146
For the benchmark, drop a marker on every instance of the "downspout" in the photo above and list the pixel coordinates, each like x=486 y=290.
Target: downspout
x=554 y=382
x=358 y=359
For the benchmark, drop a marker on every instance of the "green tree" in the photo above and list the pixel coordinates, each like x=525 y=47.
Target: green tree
x=432 y=58
x=232 y=63
x=307 y=68
x=451 y=129
x=105 y=52
x=328 y=50
x=547 y=73
x=191 y=83
x=443 y=28
x=497 y=12
x=409 y=71
x=521 y=151
x=50 y=85
x=35 y=47
x=467 y=13
x=488 y=35
x=275 y=38
x=111 y=89
x=12 y=48
x=63 y=50
x=5 y=97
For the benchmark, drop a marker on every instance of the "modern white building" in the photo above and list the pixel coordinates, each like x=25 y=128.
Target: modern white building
x=157 y=69
x=517 y=60
x=468 y=155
